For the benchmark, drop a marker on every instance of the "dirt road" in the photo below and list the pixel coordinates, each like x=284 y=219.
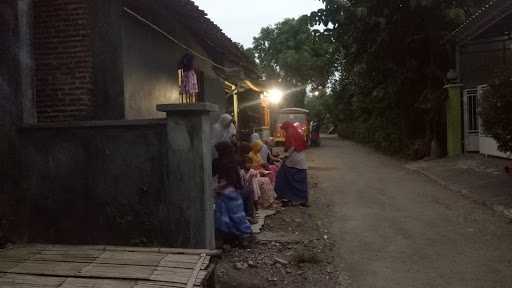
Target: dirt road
x=395 y=228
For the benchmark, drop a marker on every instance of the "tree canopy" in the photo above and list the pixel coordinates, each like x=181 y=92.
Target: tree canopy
x=290 y=53
x=384 y=63
x=389 y=68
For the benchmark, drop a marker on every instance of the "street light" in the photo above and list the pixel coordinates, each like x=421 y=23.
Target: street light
x=275 y=96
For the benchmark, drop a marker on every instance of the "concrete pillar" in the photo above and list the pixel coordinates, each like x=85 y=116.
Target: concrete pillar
x=454 y=120
x=189 y=174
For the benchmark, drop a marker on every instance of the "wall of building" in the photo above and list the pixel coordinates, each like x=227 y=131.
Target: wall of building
x=150 y=63
x=481 y=61
x=88 y=54
x=98 y=184
x=62 y=41
x=214 y=88
x=8 y=110
x=150 y=73
x=87 y=182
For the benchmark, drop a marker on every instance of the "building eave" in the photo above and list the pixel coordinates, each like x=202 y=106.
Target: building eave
x=485 y=17
x=220 y=48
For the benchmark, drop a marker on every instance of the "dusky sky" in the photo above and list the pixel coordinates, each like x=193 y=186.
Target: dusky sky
x=242 y=20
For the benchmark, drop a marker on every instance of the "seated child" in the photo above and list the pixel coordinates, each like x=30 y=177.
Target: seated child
x=227 y=153
x=258 y=163
x=230 y=218
x=261 y=186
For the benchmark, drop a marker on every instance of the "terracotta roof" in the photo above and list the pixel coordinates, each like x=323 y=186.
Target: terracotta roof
x=486 y=16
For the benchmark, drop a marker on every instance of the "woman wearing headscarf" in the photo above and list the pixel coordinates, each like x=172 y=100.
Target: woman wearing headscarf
x=265 y=154
x=255 y=155
x=224 y=130
x=259 y=163
x=262 y=188
x=292 y=180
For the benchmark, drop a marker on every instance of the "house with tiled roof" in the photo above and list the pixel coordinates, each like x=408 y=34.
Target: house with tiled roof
x=87 y=156
x=125 y=54
x=483 y=48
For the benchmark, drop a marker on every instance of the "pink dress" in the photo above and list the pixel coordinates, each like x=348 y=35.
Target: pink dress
x=262 y=187
x=189 y=83
x=273 y=169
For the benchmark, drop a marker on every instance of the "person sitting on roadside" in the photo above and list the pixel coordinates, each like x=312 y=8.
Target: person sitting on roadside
x=259 y=164
x=260 y=185
x=255 y=156
x=265 y=153
x=231 y=221
x=227 y=152
x=244 y=149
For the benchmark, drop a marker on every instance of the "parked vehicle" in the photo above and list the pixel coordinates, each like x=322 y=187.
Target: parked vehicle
x=299 y=117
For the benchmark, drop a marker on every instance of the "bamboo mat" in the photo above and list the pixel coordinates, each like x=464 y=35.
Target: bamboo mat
x=260 y=218
x=61 y=266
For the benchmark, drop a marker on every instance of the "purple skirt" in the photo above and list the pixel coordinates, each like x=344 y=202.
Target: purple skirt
x=292 y=184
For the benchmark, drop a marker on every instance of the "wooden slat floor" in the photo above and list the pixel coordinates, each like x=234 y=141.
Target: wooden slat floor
x=61 y=266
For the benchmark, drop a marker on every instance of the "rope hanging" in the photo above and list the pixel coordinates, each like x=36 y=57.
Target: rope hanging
x=165 y=34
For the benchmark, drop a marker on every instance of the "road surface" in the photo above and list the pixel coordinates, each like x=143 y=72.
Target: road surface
x=395 y=228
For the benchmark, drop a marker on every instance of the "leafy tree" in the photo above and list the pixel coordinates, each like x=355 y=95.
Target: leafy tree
x=318 y=106
x=389 y=67
x=496 y=107
x=290 y=53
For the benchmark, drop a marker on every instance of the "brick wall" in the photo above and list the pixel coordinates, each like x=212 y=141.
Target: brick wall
x=64 y=60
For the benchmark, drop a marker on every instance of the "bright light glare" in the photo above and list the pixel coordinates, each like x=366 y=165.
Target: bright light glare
x=275 y=96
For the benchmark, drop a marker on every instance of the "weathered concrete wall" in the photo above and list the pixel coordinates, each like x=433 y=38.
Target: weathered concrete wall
x=98 y=184
x=150 y=63
x=190 y=172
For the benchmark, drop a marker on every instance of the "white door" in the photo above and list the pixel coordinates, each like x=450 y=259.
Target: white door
x=471 y=121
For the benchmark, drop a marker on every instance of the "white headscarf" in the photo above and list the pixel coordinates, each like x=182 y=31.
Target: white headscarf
x=255 y=137
x=224 y=129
